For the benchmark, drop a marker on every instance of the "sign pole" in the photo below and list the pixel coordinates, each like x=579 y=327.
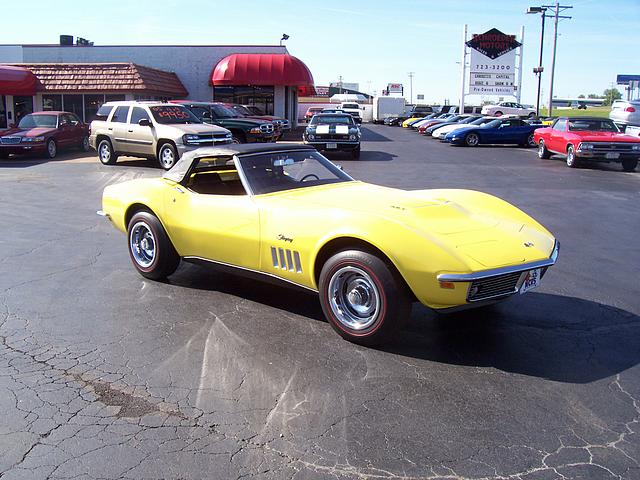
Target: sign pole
x=463 y=68
x=519 y=91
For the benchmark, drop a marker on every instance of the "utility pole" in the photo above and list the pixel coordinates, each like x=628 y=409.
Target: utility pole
x=556 y=9
x=411 y=74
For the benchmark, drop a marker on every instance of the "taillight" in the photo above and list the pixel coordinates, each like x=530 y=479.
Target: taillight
x=630 y=109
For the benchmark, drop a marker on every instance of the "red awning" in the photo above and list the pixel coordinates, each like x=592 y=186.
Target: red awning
x=261 y=69
x=17 y=81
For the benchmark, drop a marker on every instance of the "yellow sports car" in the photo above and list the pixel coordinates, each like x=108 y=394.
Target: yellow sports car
x=406 y=123
x=285 y=212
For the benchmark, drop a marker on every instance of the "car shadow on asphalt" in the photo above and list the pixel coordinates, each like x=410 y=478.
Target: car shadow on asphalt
x=32 y=160
x=371 y=136
x=365 y=156
x=558 y=338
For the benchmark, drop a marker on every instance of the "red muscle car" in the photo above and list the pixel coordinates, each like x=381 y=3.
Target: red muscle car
x=588 y=138
x=45 y=133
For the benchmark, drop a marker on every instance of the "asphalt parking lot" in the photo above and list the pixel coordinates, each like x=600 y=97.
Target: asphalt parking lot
x=105 y=374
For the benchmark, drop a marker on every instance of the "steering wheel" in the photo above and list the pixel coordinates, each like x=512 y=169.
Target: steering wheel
x=308 y=176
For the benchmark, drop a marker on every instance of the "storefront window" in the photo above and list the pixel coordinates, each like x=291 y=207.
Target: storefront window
x=261 y=97
x=91 y=105
x=3 y=112
x=73 y=104
x=22 y=105
x=114 y=98
x=51 y=102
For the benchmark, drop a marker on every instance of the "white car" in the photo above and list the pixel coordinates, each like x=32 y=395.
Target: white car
x=442 y=131
x=505 y=108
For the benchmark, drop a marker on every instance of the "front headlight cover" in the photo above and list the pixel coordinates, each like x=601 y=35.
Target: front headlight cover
x=32 y=139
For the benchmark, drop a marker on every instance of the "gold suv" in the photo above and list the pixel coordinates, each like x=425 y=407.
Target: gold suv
x=162 y=131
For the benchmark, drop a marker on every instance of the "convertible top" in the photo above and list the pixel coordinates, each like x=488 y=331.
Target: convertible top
x=182 y=166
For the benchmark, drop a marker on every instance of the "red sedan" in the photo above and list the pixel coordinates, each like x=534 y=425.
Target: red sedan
x=588 y=138
x=44 y=133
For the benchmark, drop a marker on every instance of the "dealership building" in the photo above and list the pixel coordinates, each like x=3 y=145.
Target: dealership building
x=79 y=78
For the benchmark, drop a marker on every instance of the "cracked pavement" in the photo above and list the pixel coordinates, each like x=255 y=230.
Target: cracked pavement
x=106 y=375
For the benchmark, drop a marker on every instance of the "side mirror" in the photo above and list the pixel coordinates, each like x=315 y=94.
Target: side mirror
x=144 y=122
x=339 y=166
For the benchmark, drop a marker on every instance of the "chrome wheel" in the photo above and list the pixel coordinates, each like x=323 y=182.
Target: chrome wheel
x=167 y=157
x=571 y=157
x=142 y=244
x=472 y=139
x=531 y=141
x=541 y=149
x=354 y=298
x=105 y=153
x=52 y=149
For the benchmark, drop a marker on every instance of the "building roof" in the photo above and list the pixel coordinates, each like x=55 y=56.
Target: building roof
x=105 y=77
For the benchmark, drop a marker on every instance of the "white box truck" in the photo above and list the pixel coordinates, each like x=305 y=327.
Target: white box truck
x=384 y=107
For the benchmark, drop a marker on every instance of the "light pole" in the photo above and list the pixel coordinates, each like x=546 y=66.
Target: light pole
x=284 y=37
x=556 y=9
x=411 y=74
x=539 y=69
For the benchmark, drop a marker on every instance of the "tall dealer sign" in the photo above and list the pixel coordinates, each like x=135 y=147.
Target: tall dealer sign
x=492 y=63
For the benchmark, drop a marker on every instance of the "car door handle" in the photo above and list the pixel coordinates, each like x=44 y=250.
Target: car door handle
x=110 y=128
x=130 y=131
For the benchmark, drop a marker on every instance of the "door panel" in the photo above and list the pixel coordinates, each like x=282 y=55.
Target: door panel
x=224 y=228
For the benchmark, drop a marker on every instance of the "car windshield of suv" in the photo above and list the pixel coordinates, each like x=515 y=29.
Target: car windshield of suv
x=332 y=119
x=172 y=114
x=278 y=171
x=33 y=121
x=245 y=112
x=593 y=125
x=221 y=111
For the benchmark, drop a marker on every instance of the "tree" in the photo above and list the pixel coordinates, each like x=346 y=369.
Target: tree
x=581 y=96
x=593 y=95
x=610 y=95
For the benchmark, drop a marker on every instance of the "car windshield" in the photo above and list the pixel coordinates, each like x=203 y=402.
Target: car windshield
x=350 y=105
x=469 y=120
x=171 y=114
x=245 y=112
x=278 y=171
x=33 y=121
x=482 y=121
x=493 y=123
x=593 y=125
x=223 y=112
x=332 y=119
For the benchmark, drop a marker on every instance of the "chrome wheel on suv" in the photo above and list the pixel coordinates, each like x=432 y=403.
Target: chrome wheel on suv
x=105 y=153
x=167 y=156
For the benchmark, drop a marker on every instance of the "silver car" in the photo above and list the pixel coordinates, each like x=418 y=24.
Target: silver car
x=625 y=113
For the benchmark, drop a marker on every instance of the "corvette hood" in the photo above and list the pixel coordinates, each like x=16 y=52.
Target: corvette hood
x=477 y=227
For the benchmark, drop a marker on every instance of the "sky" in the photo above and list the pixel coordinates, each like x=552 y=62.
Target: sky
x=367 y=42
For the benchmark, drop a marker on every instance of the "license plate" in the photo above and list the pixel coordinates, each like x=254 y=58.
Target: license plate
x=531 y=280
x=612 y=156
x=332 y=146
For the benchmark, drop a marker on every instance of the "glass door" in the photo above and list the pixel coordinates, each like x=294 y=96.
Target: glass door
x=22 y=105
x=3 y=112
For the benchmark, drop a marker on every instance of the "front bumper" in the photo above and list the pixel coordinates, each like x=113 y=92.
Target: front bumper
x=22 y=148
x=327 y=145
x=602 y=156
x=501 y=282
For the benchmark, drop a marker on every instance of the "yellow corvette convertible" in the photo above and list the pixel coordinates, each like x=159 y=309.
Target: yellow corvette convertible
x=285 y=212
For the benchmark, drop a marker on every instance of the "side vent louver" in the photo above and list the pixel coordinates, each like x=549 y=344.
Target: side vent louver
x=285 y=259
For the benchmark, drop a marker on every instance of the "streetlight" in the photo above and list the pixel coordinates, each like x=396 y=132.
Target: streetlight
x=411 y=74
x=539 y=69
x=284 y=37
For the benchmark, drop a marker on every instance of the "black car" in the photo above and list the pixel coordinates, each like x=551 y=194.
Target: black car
x=244 y=130
x=333 y=132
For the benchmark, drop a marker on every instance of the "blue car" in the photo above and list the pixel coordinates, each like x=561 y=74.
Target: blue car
x=499 y=131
